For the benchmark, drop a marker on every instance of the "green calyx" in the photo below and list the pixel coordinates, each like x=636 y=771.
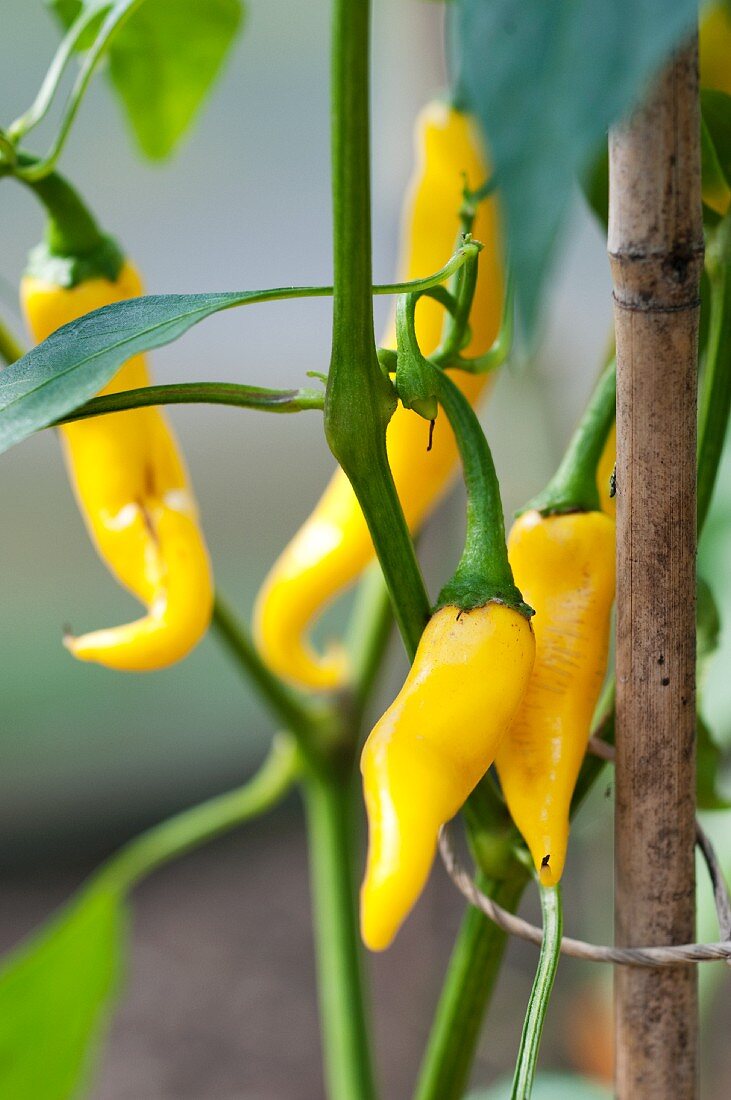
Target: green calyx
x=69 y=269
x=483 y=574
x=416 y=382
x=74 y=249
x=573 y=487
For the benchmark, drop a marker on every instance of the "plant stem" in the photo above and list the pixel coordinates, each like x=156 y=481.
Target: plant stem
x=360 y=400
x=573 y=487
x=117 y=16
x=204 y=393
x=304 y=719
x=369 y=627
x=41 y=104
x=715 y=400
x=200 y=824
x=330 y=818
x=473 y=970
x=483 y=572
x=530 y=1040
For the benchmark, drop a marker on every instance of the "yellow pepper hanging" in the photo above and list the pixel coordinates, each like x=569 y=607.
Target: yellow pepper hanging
x=431 y=748
x=562 y=554
x=333 y=546
x=470 y=671
x=135 y=496
x=564 y=565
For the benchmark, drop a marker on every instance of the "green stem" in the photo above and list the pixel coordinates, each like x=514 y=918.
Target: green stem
x=360 y=400
x=483 y=572
x=10 y=349
x=530 y=1040
x=369 y=627
x=39 y=108
x=309 y=723
x=473 y=971
x=116 y=18
x=715 y=401
x=205 y=393
x=200 y=824
x=330 y=808
x=496 y=355
x=74 y=244
x=573 y=487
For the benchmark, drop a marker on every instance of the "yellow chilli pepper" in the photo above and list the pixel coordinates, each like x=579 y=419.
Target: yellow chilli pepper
x=561 y=550
x=333 y=546
x=135 y=496
x=432 y=747
x=564 y=565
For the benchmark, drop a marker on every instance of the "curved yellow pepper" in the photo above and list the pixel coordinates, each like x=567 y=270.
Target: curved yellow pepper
x=135 y=496
x=564 y=566
x=333 y=546
x=431 y=748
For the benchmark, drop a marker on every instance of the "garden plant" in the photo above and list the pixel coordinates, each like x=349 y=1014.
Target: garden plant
x=516 y=695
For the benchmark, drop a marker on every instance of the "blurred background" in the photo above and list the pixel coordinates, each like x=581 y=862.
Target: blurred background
x=220 y=999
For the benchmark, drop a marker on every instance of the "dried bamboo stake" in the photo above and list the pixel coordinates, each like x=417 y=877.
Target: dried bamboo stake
x=656 y=254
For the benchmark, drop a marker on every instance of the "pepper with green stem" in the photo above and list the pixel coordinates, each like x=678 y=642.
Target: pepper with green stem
x=470 y=670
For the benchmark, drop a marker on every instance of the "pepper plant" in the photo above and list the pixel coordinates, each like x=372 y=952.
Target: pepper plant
x=510 y=663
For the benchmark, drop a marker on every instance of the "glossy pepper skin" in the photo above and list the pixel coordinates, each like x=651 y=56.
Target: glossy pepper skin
x=135 y=496
x=333 y=546
x=564 y=565
x=431 y=748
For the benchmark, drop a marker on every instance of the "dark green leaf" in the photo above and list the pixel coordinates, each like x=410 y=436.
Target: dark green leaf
x=55 y=996
x=546 y=78
x=79 y=359
x=163 y=62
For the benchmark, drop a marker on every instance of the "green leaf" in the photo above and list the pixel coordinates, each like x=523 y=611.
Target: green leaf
x=548 y=1086
x=163 y=62
x=546 y=78
x=57 y=989
x=79 y=359
x=55 y=996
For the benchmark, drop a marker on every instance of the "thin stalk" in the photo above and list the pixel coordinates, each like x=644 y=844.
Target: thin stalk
x=200 y=824
x=303 y=718
x=359 y=399
x=330 y=818
x=10 y=349
x=204 y=393
x=39 y=108
x=71 y=229
x=715 y=401
x=483 y=572
x=369 y=628
x=530 y=1040
x=116 y=18
x=474 y=967
x=573 y=487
